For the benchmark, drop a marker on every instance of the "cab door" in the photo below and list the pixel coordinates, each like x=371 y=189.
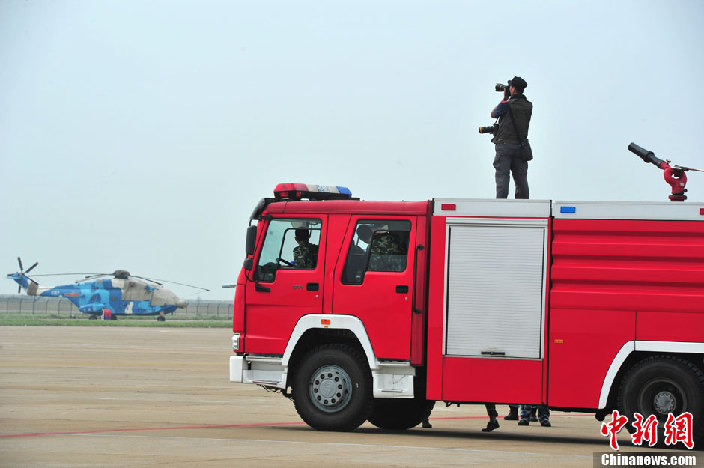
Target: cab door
x=283 y=286
x=375 y=281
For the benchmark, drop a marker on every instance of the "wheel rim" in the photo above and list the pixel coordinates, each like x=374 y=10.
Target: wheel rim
x=330 y=388
x=664 y=402
x=660 y=397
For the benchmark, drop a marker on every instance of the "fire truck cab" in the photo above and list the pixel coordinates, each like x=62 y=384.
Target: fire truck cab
x=375 y=310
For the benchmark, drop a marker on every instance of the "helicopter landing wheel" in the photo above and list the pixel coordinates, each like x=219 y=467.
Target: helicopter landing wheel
x=161 y=318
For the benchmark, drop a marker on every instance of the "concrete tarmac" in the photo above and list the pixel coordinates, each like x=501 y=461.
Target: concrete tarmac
x=123 y=397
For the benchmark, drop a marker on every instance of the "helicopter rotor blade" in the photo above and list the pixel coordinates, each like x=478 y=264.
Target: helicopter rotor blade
x=31 y=268
x=147 y=279
x=19 y=260
x=182 y=284
x=19 y=289
x=157 y=281
x=70 y=274
x=90 y=276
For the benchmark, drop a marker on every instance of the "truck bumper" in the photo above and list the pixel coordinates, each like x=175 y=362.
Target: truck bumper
x=237 y=364
x=265 y=371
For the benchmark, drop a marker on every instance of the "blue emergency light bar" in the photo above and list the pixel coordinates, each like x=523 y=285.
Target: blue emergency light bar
x=296 y=191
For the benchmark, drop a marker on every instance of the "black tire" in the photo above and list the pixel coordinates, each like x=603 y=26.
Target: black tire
x=332 y=388
x=398 y=414
x=660 y=385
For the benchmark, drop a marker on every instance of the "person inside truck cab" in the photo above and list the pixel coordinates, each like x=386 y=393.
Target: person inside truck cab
x=386 y=253
x=305 y=254
x=376 y=247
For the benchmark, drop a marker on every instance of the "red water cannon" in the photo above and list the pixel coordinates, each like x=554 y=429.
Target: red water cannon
x=674 y=175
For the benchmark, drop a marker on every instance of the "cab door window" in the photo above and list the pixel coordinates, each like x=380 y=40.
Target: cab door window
x=289 y=244
x=377 y=245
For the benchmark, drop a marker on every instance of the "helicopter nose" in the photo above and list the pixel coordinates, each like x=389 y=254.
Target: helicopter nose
x=181 y=304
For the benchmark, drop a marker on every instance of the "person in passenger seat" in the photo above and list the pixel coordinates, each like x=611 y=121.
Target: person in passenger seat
x=386 y=253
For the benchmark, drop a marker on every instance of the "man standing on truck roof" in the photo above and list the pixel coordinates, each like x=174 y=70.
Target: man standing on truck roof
x=514 y=119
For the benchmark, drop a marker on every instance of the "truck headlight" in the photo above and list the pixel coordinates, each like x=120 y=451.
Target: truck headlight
x=236 y=342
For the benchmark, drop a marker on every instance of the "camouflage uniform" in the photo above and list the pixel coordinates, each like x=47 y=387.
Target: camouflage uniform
x=386 y=254
x=543 y=414
x=305 y=255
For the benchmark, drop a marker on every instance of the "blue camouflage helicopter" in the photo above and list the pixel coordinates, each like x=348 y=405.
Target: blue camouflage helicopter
x=108 y=294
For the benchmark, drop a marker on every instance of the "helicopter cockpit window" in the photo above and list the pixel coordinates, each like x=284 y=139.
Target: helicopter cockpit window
x=377 y=245
x=290 y=244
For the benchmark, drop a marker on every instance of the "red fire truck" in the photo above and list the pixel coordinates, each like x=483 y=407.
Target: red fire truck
x=580 y=306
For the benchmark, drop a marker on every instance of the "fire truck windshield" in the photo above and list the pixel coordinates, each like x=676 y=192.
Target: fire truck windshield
x=289 y=244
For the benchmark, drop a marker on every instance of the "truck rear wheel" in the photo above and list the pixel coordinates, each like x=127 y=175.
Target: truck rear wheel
x=332 y=388
x=664 y=384
x=399 y=414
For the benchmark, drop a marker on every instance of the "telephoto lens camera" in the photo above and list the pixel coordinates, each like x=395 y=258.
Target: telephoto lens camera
x=500 y=87
x=491 y=129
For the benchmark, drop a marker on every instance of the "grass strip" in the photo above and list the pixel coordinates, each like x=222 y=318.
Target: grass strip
x=18 y=320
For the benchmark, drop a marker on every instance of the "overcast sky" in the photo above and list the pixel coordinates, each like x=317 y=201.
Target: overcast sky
x=139 y=134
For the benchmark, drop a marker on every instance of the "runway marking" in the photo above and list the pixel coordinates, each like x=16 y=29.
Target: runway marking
x=216 y=426
x=380 y=445
x=143 y=429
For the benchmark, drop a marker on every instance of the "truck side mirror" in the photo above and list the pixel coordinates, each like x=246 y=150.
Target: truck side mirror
x=251 y=239
x=248 y=263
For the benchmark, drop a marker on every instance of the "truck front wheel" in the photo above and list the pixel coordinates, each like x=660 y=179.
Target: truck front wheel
x=400 y=414
x=332 y=388
x=660 y=385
